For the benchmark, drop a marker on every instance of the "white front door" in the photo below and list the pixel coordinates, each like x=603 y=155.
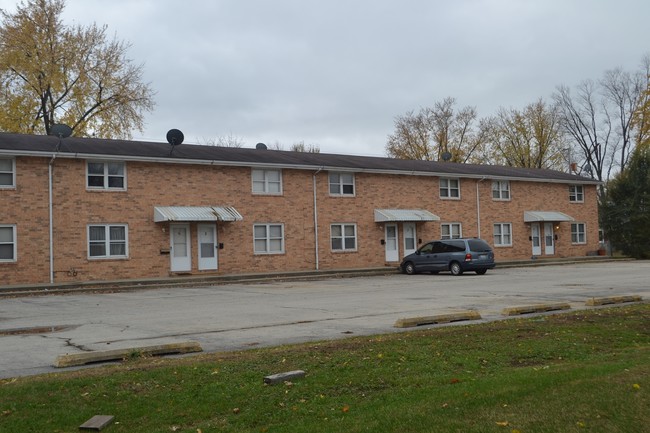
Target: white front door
x=535 y=238
x=410 y=243
x=207 y=246
x=549 y=242
x=392 y=251
x=181 y=256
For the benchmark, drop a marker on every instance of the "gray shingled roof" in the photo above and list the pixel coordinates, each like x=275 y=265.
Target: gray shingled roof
x=73 y=147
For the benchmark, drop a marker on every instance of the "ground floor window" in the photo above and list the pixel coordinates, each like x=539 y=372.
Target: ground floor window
x=7 y=243
x=107 y=241
x=343 y=237
x=502 y=235
x=451 y=231
x=268 y=238
x=578 y=235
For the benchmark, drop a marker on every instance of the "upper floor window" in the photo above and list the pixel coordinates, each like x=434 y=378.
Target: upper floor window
x=341 y=183
x=267 y=181
x=343 y=237
x=501 y=190
x=578 y=233
x=449 y=188
x=7 y=173
x=451 y=231
x=268 y=238
x=106 y=175
x=107 y=241
x=576 y=193
x=7 y=243
x=502 y=234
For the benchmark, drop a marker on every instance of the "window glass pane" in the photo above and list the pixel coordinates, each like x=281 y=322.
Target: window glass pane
x=337 y=243
x=6 y=165
x=97 y=249
x=350 y=243
x=6 y=234
x=258 y=186
x=118 y=249
x=116 y=168
x=207 y=250
x=336 y=231
x=96 y=168
x=258 y=175
x=348 y=189
x=260 y=245
x=260 y=232
x=335 y=188
x=347 y=178
x=117 y=233
x=115 y=182
x=349 y=230
x=96 y=181
x=335 y=178
x=275 y=245
x=274 y=187
x=276 y=231
x=6 y=179
x=97 y=233
x=273 y=176
x=6 y=252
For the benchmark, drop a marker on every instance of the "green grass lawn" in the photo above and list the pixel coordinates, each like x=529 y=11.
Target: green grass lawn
x=582 y=371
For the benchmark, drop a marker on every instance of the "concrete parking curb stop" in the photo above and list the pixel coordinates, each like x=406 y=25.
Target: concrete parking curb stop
x=594 y=302
x=434 y=320
x=76 y=359
x=539 y=308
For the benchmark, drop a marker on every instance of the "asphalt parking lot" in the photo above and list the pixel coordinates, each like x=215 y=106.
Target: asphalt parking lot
x=35 y=330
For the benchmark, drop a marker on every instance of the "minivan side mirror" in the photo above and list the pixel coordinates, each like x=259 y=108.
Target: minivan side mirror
x=417 y=252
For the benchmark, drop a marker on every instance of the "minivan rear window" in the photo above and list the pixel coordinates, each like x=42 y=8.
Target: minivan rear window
x=454 y=246
x=478 y=245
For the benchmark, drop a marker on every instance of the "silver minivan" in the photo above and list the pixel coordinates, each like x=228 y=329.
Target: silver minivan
x=453 y=255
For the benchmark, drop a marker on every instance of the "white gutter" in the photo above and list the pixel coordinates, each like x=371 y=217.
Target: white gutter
x=316 y=218
x=51 y=218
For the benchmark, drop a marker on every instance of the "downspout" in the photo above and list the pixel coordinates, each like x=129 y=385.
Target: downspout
x=478 y=206
x=316 y=218
x=51 y=218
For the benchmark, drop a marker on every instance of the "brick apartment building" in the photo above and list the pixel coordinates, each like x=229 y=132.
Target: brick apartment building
x=81 y=209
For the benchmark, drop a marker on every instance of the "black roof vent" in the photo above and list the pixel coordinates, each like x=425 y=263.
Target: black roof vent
x=260 y=146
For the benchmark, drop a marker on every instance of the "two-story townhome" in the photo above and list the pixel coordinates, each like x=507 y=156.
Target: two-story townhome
x=83 y=209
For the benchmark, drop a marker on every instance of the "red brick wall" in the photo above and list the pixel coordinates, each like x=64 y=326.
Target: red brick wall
x=157 y=184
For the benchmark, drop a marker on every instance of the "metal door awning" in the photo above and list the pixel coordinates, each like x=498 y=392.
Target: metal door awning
x=195 y=213
x=385 y=215
x=549 y=216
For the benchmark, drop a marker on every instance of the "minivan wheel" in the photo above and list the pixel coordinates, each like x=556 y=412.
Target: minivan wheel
x=409 y=268
x=481 y=271
x=455 y=269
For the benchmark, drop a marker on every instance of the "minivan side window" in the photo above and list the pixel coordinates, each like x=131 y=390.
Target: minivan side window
x=454 y=246
x=426 y=249
x=438 y=247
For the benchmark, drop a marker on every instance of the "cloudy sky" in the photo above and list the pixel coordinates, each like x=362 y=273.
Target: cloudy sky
x=335 y=73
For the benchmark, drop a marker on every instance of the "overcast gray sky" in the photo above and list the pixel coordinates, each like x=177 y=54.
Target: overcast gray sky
x=335 y=73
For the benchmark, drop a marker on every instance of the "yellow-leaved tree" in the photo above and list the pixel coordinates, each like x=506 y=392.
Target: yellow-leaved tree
x=52 y=73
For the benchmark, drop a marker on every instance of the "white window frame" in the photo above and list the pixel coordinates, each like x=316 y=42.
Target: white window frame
x=107 y=241
x=576 y=193
x=446 y=190
x=106 y=176
x=268 y=238
x=262 y=184
x=340 y=184
x=447 y=231
x=12 y=172
x=500 y=235
x=13 y=242
x=501 y=190
x=578 y=236
x=343 y=237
